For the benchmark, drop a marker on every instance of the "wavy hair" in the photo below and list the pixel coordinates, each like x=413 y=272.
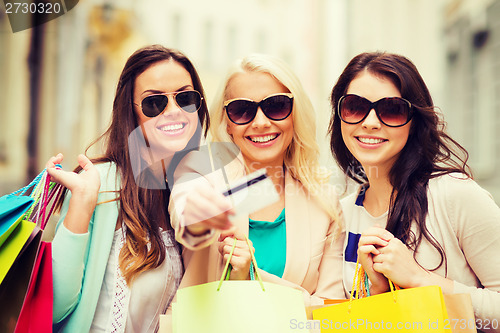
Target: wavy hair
x=428 y=153
x=302 y=155
x=142 y=211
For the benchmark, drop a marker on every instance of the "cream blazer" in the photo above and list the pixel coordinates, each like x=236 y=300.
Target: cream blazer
x=314 y=240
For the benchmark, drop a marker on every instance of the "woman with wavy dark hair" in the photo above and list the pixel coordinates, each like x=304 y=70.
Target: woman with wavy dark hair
x=418 y=218
x=116 y=263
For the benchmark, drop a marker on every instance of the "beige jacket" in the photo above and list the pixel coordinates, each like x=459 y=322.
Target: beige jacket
x=314 y=240
x=463 y=218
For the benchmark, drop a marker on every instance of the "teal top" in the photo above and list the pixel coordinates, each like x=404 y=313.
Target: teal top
x=269 y=241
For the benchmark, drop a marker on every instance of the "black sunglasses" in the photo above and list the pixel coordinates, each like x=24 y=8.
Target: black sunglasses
x=241 y=111
x=188 y=100
x=391 y=111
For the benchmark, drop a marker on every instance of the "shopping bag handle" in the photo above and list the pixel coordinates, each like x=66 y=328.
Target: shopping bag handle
x=43 y=193
x=360 y=281
x=253 y=265
x=33 y=183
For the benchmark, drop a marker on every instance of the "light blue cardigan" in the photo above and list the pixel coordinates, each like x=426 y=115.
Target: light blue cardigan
x=79 y=260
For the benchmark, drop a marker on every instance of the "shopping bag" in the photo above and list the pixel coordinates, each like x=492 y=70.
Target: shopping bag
x=12 y=248
x=460 y=313
x=27 y=286
x=238 y=306
x=458 y=306
x=405 y=310
x=15 y=284
x=36 y=312
x=13 y=207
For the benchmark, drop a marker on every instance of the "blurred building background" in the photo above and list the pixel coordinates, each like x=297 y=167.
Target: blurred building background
x=57 y=81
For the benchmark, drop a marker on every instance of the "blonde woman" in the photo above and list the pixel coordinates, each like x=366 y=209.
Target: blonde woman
x=262 y=108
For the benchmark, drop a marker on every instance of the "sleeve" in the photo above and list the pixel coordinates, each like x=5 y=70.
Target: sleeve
x=186 y=177
x=329 y=274
x=68 y=257
x=330 y=282
x=477 y=220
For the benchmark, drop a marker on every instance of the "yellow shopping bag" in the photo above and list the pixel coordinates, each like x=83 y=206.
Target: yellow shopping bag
x=239 y=306
x=406 y=310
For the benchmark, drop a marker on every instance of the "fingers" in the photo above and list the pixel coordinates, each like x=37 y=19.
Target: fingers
x=393 y=247
x=233 y=234
x=56 y=175
x=368 y=249
x=51 y=163
x=241 y=256
x=204 y=204
x=54 y=172
x=365 y=240
x=241 y=248
x=379 y=232
x=84 y=162
x=391 y=258
x=85 y=184
x=372 y=240
x=219 y=222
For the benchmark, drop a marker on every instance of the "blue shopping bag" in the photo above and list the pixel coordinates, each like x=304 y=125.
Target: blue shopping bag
x=22 y=220
x=12 y=209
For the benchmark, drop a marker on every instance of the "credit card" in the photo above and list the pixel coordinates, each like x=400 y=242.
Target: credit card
x=252 y=193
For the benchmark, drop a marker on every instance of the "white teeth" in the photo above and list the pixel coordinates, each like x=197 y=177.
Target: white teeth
x=370 y=140
x=264 y=138
x=172 y=127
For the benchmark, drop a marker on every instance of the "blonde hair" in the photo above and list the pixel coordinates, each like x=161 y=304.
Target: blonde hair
x=302 y=155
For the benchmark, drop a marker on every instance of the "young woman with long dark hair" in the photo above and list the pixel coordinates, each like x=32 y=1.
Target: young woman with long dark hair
x=116 y=263
x=418 y=218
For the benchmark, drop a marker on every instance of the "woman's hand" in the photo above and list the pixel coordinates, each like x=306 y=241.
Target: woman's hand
x=207 y=209
x=385 y=257
x=85 y=184
x=240 y=261
x=369 y=246
x=84 y=187
x=396 y=262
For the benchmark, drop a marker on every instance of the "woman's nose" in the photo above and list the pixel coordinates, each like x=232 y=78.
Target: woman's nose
x=260 y=119
x=172 y=109
x=371 y=121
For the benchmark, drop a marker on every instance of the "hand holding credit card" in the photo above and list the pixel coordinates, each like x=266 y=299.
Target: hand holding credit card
x=251 y=193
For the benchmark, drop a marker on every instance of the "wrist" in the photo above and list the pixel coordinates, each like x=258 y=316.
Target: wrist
x=422 y=279
x=239 y=276
x=84 y=204
x=379 y=286
x=83 y=199
x=78 y=216
x=433 y=279
x=195 y=230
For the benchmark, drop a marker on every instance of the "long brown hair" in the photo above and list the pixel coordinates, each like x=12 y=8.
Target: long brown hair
x=428 y=153
x=142 y=210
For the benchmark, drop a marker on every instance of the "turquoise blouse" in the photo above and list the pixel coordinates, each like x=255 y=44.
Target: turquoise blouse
x=269 y=241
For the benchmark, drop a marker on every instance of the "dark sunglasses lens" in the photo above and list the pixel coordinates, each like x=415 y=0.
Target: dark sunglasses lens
x=241 y=111
x=189 y=101
x=154 y=105
x=393 y=111
x=353 y=109
x=277 y=107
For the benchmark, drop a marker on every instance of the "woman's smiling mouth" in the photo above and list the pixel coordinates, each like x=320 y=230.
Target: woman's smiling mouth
x=173 y=128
